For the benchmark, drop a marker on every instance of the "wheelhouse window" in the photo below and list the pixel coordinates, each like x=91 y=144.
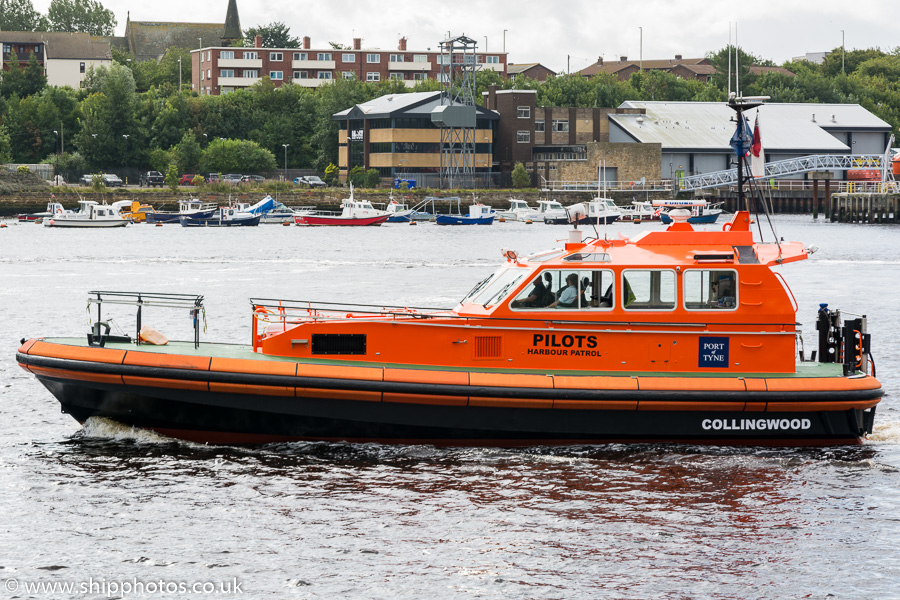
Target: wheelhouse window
x=496 y=288
x=648 y=289
x=568 y=289
x=710 y=290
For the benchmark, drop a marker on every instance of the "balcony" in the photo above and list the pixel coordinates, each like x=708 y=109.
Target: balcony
x=240 y=63
x=319 y=65
x=409 y=66
x=237 y=81
x=311 y=83
x=500 y=67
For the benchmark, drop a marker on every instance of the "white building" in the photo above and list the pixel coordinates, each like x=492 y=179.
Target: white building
x=66 y=57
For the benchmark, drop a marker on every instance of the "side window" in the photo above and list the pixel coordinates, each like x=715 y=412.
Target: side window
x=645 y=289
x=568 y=289
x=710 y=290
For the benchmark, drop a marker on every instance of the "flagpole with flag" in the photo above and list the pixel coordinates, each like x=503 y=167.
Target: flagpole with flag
x=757 y=153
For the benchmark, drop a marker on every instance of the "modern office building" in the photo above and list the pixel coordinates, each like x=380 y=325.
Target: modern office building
x=396 y=135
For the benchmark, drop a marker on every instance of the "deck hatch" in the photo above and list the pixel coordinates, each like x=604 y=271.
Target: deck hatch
x=488 y=346
x=338 y=343
x=709 y=257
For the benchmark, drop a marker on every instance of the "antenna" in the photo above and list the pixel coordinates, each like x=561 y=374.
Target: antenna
x=729 y=59
x=737 y=71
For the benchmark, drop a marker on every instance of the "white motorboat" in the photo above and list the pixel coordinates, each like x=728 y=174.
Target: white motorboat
x=640 y=210
x=518 y=211
x=90 y=214
x=598 y=211
x=548 y=211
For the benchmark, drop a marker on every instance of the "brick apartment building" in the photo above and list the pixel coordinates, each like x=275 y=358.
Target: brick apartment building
x=220 y=70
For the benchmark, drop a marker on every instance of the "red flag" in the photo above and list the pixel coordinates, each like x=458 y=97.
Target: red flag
x=757 y=141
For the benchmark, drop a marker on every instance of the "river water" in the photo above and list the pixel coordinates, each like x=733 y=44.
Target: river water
x=115 y=512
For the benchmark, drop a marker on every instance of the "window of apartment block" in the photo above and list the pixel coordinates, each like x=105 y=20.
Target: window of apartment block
x=443 y=59
x=373 y=76
x=37 y=49
x=396 y=58
x=493 y=60
x=538 y=125
x=299 y=55
x=348 y=57
x=202 y=73
x=276 y=56
x=81 y=67
x=420 y=76
x=226 y=54
x=226 y=72
x=324 y=74
x=373 y=58
x=209 y=73
x=523 y=112
x=251 y=55
x=301 y=74
x=7 y=48
x=251 y=72
x=276 y=75
x=420 y=58
x=560 y=125
x=397 y=76
x=348 y=74
x=323 y=56
x=523 y=137
x=443 y=77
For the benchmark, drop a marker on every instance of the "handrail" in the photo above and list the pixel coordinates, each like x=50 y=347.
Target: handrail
x=192 y=302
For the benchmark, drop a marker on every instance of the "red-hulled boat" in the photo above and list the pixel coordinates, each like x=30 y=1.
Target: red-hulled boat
x=354 y=212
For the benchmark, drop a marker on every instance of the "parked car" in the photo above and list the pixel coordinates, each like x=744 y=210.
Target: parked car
x=213 y=178
x=309 y=181
x=151 y=178
x=253 y=178
x=86 y=179
x=187 y=179
x=232 y=178
x=112 y=180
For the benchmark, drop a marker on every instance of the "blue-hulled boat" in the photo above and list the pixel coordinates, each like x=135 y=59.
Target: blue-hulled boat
x=228 y=216
x=479 y=214
x=191 y=207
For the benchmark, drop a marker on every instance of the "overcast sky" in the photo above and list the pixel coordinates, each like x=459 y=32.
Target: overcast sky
x=552 y=33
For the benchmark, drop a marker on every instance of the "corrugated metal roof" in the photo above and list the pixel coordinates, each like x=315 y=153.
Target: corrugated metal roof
x=708 y=125
x=413 y=103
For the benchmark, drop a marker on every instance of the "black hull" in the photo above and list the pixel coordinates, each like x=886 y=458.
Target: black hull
x=253 y=418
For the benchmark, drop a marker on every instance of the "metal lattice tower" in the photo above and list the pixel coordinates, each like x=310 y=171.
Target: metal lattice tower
x=456 y=114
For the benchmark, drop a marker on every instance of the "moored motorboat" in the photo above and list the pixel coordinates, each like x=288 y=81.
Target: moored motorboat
x=518 y=211
x=700 y=210
x=479 y=214
x=353 y=212
x=191 y=207
x=598 y=211
x=225 y=216
x=675 y=335
x=90 y=214
x=550 y=212
x=54 y=208
x=640 y=210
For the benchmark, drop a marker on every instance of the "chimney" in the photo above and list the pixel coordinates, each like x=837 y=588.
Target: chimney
x=677 y=57
x=402 y=46
x=357 y=43
x=257 y=41
x=306 y=42
x=623 y=58
x=600 y=60
x=491 y=103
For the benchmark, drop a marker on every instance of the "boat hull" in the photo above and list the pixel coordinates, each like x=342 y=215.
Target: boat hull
x=709 y=218
x=339 y=221
x=85 y=223
x=174 y=217
x=220 y=222
x=463 y=220
x=202 y=397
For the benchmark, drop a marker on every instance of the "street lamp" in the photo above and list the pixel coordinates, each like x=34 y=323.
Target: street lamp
x=56 y=153
x=179 y=73
x=285 y=146
x=223 y=153
x=125 y=135
x=842 y=51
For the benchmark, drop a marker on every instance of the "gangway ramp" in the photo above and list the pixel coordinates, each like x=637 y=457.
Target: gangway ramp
x=784 y=168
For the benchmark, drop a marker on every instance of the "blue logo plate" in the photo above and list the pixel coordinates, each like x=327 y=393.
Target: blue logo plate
x=713 y=352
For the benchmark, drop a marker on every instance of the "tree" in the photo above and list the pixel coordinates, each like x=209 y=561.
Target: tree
x=373 y=178
x=88 y=16
x=742 y=76
x=520 y=177
x=172 y=177
x=229 y=156
x=5 y=147
x=331 y=174
x=20 y=15
x=13 y=81
x=187 y=153
x=33 y=77
x=274 y=35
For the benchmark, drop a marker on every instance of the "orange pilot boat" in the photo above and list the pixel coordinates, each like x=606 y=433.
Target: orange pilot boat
x=676 y=335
